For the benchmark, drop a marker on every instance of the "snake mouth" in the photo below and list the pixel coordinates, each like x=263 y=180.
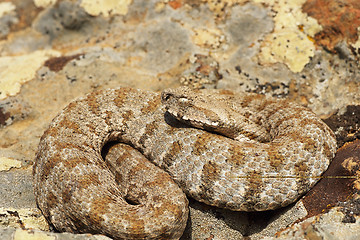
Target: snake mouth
x=205 y=124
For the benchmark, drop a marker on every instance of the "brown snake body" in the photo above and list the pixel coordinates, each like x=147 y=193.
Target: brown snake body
x=256 y=153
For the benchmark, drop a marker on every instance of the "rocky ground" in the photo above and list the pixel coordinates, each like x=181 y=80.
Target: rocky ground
x=307 y=51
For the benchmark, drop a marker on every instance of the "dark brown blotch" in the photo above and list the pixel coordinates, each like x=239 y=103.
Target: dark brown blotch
x=275 y=158
x=49 y=165
x=281 y=120
x=209 y=175
x=127 y=115
x=121 y=96
x=99 y=207
x=152 y=105
x=89 y=179
x=301 y=167
x=310 y=145
x=92 y=102
x=266 y=103
x=69 y=124
x=150 y=129
x=51 y=201
x=66 y=195
x=273 y=110
x=249 y=98
x=51 y=131
x=236 y=156
x=172 y=152
x=201 y=144
x=302 y=174
x=254 y=187
x=108 y=117
x=313 y=121
x=327 y=150
x=226 y=92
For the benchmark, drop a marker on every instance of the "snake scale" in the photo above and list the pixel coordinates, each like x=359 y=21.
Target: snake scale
x=240 y=151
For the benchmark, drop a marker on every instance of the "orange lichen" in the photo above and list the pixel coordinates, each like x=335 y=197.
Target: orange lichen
x=175 y=4
x=339 y=19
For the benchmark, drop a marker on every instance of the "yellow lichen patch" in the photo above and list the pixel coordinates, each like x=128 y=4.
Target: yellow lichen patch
x=159 y=6
x=16 y=70
x=218 y=6
x=356 y=45
x=291 y=41
x=6 y=7
x=43 y=3
x=32 y=235
x=106 y=7
x=8 y=163
x=30 y=218
x=210 y=37
x=290 y=48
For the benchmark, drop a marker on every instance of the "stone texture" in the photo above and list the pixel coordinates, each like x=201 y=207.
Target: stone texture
x=325 y=226
x=160 y=44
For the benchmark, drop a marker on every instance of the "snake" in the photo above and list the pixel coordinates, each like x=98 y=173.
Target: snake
x=121 y=162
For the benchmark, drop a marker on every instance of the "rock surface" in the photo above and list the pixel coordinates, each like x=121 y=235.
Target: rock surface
x=51 y=54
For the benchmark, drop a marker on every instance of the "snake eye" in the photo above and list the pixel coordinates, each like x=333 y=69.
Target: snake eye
x=166 y=96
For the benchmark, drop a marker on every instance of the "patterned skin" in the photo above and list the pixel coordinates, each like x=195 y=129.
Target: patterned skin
x=243 y=152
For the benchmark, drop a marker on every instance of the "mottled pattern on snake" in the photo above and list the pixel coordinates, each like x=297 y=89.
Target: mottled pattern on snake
x=256 y=153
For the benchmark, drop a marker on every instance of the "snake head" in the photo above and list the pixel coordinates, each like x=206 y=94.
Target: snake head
x=191 y=106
